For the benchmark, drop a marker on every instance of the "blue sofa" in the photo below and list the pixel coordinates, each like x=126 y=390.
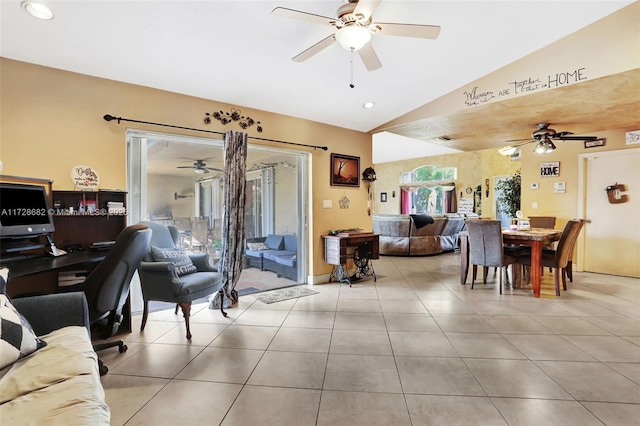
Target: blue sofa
x=275 y=253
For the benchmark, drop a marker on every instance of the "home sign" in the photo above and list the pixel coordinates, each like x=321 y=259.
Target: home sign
x=550 y=169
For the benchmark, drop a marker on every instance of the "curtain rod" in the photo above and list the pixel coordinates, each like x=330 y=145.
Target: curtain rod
x=108 y=117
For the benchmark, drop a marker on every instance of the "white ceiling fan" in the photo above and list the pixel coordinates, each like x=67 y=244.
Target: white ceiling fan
x=354 y=28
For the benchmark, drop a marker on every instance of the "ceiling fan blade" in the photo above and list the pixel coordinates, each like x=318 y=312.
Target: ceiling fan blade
x=409 y=30
x=185 y=167
x=316 y=48
x=214 y=169
x=576 y=138
x=520 y=140
x=369 y=57
x=305 y=16
x=366 y=8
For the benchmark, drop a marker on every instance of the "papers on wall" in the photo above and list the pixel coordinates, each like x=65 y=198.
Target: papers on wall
x=465 y=205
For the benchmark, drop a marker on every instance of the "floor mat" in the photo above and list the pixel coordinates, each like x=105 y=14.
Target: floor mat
x=281 y=294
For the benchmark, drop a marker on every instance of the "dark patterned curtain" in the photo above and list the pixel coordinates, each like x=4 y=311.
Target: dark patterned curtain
x=235 y=170
x=451 y=200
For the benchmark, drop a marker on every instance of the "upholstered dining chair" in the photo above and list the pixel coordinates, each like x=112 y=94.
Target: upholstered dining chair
x=568 y=270
x=486 y=248
x=558 y=258
x=548 y=222
x=542 y=221
x=169 y=274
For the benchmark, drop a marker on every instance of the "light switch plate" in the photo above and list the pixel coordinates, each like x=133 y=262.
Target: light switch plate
x=534 y=205
x=534 y=185
x=327 y=204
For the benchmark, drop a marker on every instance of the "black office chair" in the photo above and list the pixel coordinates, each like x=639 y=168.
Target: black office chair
x=107 y=286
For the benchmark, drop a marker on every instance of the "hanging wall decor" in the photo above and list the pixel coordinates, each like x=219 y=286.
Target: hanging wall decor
x=344 y=202
x=345 y=170
x=234 y=115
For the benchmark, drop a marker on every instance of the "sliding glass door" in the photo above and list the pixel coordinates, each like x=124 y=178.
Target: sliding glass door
x=179 y=180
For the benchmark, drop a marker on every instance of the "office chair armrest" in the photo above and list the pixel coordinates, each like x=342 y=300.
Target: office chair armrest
x=201 y=262
x=53 y=311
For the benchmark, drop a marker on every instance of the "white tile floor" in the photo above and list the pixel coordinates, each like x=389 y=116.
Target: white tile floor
x=414 y=348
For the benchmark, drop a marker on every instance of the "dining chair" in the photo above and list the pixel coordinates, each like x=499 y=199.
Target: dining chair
x=548 y=222
x=486 y=248
x=542 y=221
x=558 y=258
x=568 y=270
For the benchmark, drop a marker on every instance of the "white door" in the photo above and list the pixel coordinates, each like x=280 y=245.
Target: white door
x=611 y=236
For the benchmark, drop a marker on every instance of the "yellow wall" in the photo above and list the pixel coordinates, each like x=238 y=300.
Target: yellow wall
x=563 y=206
x=473 y=168
x=52 y=120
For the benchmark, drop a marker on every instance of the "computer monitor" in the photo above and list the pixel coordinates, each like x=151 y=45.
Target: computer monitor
x=24 y=211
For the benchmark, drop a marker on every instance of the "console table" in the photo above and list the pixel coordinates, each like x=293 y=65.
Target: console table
x=360 y=247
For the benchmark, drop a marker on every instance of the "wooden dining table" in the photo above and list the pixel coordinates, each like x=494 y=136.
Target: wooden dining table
x=535 y=237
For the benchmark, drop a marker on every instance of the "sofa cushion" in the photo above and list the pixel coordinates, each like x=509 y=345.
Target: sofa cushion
x=4 y=276
x=178 y=257
x=291 y=243
x=254 y=247
x=391 y=225
x=59 y=384
x=274 y=254
x=274 y=242
x=287 y=260
x=17 y=339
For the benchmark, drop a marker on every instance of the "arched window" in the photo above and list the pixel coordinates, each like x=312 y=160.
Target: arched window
x=429 y=190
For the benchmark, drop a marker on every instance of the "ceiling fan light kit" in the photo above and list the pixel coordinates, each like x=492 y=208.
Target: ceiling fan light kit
x=544 y=137
x=353 y=37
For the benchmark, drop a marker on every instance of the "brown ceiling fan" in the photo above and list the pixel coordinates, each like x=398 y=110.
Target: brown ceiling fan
x=545 y=137
x=354 y=28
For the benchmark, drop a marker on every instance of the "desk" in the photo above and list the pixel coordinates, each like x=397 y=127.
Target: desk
x=536 y=238
x=46 y=263
x=360 y=247
x=39 y=275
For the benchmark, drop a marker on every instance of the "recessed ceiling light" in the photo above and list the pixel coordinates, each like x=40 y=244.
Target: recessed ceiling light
x=37 y=10
x=368 y=105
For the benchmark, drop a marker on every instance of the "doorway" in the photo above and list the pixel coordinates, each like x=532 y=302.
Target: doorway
x=178 y=180
x=610 y=242
x=504 y=218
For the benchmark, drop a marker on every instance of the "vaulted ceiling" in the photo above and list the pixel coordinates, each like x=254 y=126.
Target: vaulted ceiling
x=239 y=53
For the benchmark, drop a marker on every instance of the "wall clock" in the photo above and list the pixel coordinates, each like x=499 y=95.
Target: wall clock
x=469 y=190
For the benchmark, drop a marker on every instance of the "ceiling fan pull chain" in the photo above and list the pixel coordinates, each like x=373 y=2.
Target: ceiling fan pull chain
x=351 y=84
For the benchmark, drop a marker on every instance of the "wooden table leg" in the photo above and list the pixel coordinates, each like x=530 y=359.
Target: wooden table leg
x=536 y=267
x=464 y=259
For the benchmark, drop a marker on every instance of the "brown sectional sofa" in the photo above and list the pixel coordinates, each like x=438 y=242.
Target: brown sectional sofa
x=402 y=235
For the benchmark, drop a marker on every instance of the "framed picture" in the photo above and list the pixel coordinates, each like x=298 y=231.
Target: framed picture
x=345 y=170
x=597 y=142
x=383 y=197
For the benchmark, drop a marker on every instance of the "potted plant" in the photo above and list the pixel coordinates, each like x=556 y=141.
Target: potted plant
x=217 y=247
x=509 y=198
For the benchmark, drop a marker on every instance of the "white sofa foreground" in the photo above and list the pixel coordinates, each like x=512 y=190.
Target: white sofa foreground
x=60 y=383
